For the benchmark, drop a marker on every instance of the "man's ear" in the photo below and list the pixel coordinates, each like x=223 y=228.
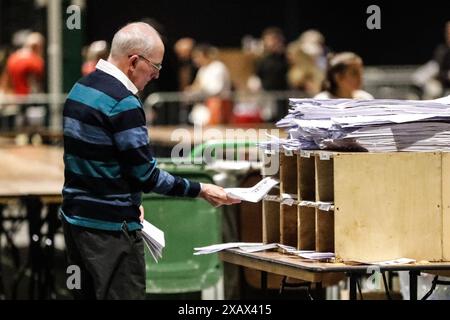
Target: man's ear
x=133 y=62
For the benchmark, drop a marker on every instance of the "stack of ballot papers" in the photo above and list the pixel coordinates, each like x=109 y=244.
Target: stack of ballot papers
x=380 y=125
x=154 y=240
x=255 y=193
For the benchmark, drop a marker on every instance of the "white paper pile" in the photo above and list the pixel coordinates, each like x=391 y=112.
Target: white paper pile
x=382 y=125
x=223 y=246
x=154 y=240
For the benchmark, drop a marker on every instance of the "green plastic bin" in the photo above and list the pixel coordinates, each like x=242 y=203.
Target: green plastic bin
x=187 y=223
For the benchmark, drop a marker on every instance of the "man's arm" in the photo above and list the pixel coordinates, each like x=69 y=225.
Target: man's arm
x=140 y=168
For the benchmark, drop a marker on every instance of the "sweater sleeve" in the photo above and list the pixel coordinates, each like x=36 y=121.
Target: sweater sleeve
x=139 y=167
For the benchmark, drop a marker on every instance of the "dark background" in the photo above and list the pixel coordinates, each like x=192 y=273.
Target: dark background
x=410 y=30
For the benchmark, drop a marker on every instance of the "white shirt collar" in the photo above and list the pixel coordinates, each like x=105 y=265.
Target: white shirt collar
x=112 y=70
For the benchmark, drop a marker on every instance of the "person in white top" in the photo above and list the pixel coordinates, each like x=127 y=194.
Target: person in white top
x=213 y=77
x=213 y=83
x=344 y=78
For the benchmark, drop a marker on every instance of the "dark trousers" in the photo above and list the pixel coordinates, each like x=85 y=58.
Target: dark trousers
x=111 y=263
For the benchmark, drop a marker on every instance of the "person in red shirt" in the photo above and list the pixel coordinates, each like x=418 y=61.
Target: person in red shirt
x=25 y=67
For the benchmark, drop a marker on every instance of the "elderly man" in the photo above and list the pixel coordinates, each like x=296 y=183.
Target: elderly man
x=108 y=163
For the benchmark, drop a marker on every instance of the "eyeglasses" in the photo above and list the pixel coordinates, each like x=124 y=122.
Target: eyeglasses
x=154 y=65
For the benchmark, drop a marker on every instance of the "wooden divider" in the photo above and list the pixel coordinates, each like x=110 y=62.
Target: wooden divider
x=271 y=209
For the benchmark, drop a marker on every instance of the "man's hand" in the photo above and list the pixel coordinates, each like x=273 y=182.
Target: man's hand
x=141 y=217
x=216 y=195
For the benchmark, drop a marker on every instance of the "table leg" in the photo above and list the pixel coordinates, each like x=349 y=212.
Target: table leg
x=52 y=223
x=353 y=278
x=319 y=291
x=33 y=207
x=2 y=284
x=264 y=282
x=413 y=284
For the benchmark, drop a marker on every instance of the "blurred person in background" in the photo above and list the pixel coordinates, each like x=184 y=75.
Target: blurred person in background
x=18 y=41
x=213 y=83
x=26 y=67
x=97 y=50
x=344 y=78
x=272 y=67
x=186 y=67
x=271 y=71
x=312 y=43
x=442 y=58
x=307 y=62
x=25 y=70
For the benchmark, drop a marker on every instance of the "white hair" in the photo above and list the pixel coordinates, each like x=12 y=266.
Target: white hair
x=134 y=38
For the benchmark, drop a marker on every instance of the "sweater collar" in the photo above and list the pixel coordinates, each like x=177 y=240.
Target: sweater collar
x=112 y=70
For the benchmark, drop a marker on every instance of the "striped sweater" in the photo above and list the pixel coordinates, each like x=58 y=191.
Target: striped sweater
x=107 y=156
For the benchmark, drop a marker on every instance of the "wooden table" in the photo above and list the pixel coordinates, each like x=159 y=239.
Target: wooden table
x=322 y=273
x=31 y=171
x=35 y=176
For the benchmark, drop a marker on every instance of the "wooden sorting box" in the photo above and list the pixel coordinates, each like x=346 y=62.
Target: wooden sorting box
x=383 y=205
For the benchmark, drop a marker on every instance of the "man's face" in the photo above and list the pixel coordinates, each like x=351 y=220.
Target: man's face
x=143 y=69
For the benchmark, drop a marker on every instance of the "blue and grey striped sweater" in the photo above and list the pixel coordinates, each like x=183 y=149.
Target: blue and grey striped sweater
x=107 y=156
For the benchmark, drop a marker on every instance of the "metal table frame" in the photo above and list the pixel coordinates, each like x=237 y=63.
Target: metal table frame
x=320 y=272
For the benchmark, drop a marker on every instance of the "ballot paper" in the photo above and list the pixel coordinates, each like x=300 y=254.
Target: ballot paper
x=154 y=239
x=223 y=246
x=255 y=193
x=316 y=255
x=258 y=248
x=394 y=262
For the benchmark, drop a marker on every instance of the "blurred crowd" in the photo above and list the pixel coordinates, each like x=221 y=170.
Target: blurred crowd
x=205 y=81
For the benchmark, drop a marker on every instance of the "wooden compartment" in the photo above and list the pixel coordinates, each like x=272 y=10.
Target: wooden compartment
x=386 y=205
x=324 y=179
x=271 y=221
x=288 y=225
x=306 y=228
x=288 y=174
x=324 y=231
x=306 y=183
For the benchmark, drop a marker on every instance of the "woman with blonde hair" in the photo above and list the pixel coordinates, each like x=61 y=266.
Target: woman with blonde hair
x=344 y=78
